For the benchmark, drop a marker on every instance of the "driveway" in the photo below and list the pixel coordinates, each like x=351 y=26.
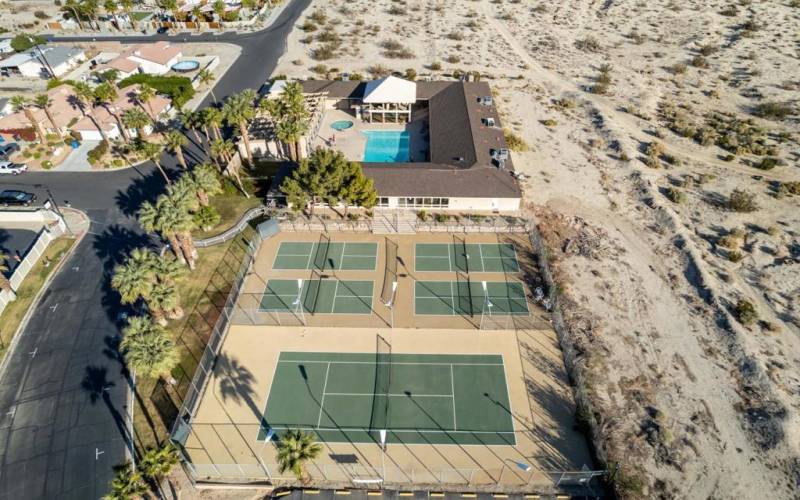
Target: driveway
x=76 y=161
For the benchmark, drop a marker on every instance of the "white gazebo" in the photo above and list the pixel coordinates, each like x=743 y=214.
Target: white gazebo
x=388 y=100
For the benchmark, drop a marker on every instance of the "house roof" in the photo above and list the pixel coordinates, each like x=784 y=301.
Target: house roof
x=158 y=52
x=122 y=64
x=461 y=143
x=54 y=55
x=390 y=90
x=63 y=108
x=126 y=100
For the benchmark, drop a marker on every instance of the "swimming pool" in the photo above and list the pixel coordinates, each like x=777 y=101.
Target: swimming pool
x=384 y=146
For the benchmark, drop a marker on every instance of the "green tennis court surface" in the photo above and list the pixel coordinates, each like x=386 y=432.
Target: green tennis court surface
x=416 y=398
x=467 y=298
x=325 y=255
x=326 y=296
x=470 y=257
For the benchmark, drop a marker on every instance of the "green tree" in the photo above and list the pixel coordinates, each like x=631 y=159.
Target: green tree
x=144 y=97
x=238 y=111
x=105 y=94
x=191 y=120
x=84 y=98
x=136 y=119
x=164 y=297
x=206 y=218
x=127 y=6
x=318 y=178
x=21 y=103
x=219 y=10
x=148 y=348
x=136 y=279
x=44 y=102
x=295 y=449
x=24 y=42
x=111 y=7
x=212 y=119
x=291 y=117
x=205 y=182
x=175 y=142
x=152 y=151
x=127 y=484
x=206 y=77
x=356 y=189
x=156 y=463
x=91 y=9
x=167 y=220
x=221 y=151
x=74 y=10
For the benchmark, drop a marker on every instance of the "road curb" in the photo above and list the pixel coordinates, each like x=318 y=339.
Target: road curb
x=35 y=303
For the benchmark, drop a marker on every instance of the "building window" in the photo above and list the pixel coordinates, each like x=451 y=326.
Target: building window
x=423 y=202
x=383 y=201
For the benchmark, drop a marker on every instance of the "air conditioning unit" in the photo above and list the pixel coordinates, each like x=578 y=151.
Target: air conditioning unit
x=485 y=100
x=502 y=154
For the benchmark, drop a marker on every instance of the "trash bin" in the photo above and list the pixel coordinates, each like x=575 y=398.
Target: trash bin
x=75 y=144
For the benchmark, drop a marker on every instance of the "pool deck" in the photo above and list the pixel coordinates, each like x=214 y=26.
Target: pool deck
x=351 y=142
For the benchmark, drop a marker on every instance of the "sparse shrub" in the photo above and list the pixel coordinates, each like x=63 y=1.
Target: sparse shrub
x=436 y=66
x=708 y=49
x=678 y=68
x=422 y=215
x=565 y=103
x=745 y=312
x=735 y=256
x=515 y=142
x=767 y=163
x=550 y=122
x=699 y=62
x=589 y=44
x=675 y=195
x=742 y=201
x=773 y=110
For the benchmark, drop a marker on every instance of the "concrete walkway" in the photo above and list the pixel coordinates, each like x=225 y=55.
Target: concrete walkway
x=77 y=159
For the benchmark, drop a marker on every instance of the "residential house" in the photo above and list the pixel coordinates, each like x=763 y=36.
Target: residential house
x=5 y=46
x=63 y=108
x=101 y=117
x=43 y=62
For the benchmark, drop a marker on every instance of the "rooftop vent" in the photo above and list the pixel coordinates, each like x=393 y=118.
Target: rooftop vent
x=485 y=100
x=499 y=154
x=489 y=122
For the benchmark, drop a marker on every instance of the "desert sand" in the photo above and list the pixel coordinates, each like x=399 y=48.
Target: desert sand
x=692 y=397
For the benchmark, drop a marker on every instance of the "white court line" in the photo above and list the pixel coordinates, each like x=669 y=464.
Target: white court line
x=401 y=431
x=335 y=290
x=386 y=363
x=310 y=254
x=480 y=251
x=453 y=390
x=390 y=395
x=322 y=401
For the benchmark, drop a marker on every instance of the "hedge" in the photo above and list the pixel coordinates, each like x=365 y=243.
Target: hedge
x=178 y=88
x=95 y=154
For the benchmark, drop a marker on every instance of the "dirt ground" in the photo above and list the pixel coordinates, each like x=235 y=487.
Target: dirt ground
x=691 y=401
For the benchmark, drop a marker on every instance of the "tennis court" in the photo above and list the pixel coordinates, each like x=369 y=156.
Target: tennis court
x=326 y=256
x=416 y=398
x=449 y=298
x=323 y=296
x=469 y=257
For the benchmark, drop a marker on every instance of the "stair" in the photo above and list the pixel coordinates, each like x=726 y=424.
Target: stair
x=394 y=222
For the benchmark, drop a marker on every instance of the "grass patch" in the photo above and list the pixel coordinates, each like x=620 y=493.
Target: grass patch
x=138 y=16
x=201 y=297
x=230 y=207
x=15 y=311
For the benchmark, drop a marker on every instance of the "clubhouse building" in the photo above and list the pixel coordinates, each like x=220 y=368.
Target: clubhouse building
x=435 y=145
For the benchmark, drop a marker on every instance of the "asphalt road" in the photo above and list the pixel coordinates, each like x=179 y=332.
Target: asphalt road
x=64 y=393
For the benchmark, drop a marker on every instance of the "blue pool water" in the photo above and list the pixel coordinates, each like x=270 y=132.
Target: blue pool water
x=385 y=146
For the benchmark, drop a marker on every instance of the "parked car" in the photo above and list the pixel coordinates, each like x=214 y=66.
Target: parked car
x=8 y=149
x=6 y=167
x=13 y=197
x=162 y=29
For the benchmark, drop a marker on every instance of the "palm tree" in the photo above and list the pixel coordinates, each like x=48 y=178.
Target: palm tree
x=134 y=280
x=295 y=449
x=196 y=14
x=291 y=116
x=191 y=120
x=144 y=96
x=238 y=110
x=127 y=484
x=173 y=220
x=105 y=94
x=127 y=6
x=148 y=348
x=213 y=118
x=44 y=102
x=112 y=8
x=175 y=141
x=168 y=269
x=74 y=8
x=91 y=8
x=205 y=182
x=21 y=103
x=164 y=298
x=84 y=98
x=136 y=119
x=152 y=151
x=219 y=10
x=152 y=219
x=156 y=463
x=221 y=151
x=206 y=77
